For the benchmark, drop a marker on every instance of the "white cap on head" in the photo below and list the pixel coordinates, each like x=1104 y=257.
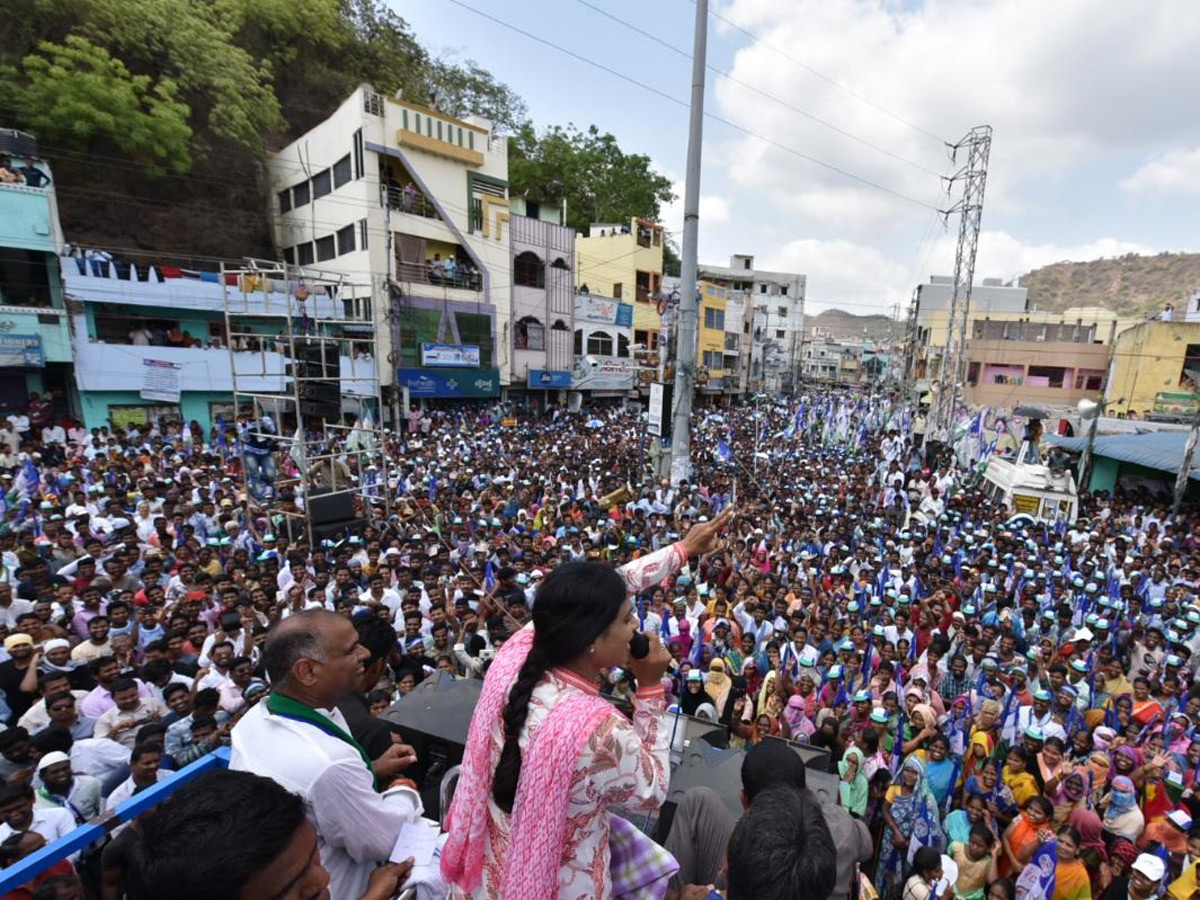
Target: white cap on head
x=1151 y=866
x=52 y=758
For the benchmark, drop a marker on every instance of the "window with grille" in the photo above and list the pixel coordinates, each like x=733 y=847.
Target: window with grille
x=530 y=334
x=600 y=343
x=528 y=270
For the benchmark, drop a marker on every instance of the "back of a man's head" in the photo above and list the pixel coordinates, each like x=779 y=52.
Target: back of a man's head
x=208 y=839
x=769 y=764
x=781 y=849
x=296 y=637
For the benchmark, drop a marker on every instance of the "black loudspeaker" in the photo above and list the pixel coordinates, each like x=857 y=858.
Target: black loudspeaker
x=318 y=366
x=435 y=717
x=704 y=765
x=330 y=509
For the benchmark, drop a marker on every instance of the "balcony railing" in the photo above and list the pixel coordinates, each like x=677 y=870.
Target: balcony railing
x=435 y=273
x=409 y=199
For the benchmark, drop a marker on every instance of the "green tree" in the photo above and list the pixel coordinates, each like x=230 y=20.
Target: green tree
x=195 y=44
x=599 y=181
x=74 y=92
x=672 y=263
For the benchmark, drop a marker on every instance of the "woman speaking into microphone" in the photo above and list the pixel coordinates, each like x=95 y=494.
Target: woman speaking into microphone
x=546 y=756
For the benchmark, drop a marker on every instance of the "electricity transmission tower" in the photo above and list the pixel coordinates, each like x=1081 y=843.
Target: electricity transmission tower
x=978 y=145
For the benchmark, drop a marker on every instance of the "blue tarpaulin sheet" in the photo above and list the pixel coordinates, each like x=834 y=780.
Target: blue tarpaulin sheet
x=1156 y=450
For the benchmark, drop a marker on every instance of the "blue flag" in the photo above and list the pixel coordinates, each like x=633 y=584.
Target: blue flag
x=489 y=577
x=723 y=452
x=1037 y=878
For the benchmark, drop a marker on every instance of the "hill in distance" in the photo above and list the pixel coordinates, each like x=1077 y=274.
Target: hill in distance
x=1129 y=285
x=844 y=325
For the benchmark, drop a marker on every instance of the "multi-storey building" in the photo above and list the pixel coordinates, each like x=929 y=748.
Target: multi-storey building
x=774 y=304
x=604 y=361
x=710 y=340
x=418 y=200
x=543 y=303
x=151 y=346
x=35 y=341
x=625 y=262
x=1156 y=369
x=1013 y=353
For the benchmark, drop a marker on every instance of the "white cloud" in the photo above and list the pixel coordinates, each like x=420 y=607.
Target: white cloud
x=714 y=210
x=841 y=273
x=1174 y=172
x=1060 y=84
x=860 y=279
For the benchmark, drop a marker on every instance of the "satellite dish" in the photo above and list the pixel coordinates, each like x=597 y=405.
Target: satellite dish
x=1088 y=409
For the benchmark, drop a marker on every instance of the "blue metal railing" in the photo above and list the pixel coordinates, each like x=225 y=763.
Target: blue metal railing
x=86 y=835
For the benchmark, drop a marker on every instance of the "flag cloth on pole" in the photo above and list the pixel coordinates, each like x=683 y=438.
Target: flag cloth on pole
x=1037 y=878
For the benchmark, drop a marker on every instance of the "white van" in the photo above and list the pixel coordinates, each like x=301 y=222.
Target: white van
x=1033 y=490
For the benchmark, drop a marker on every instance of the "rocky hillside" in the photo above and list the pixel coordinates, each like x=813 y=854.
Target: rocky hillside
x=842 y=324
x=1130 y=285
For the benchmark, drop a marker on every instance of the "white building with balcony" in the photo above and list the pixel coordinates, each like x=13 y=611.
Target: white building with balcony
x=775 y=315
x=419 y=201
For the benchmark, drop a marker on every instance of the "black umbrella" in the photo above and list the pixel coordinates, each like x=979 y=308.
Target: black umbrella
x=1030 y=412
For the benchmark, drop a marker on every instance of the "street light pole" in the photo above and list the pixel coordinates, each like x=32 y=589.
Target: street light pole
x=1185 y=468
x=1085 y=459
x=685 y=327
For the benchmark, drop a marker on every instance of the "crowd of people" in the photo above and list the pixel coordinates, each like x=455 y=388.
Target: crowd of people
x=1012 y=696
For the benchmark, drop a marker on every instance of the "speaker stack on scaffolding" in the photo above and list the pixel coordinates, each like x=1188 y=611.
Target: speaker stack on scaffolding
x=303 y=352
x=317 y=367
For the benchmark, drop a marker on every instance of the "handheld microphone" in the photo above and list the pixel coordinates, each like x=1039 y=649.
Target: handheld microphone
x=639 y=646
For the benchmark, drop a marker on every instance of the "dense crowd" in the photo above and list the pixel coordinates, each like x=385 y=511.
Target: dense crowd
x=991 y=690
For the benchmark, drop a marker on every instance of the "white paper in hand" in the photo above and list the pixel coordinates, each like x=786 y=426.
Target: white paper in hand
x=418 y=840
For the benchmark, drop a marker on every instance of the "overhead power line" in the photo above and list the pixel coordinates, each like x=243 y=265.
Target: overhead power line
x=757 y=90
x=683 y=103
x=816 y=73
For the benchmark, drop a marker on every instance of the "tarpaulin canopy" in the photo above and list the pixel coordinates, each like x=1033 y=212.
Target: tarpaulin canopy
x=1161 y=450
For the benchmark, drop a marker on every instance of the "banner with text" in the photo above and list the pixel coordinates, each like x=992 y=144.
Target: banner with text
x=161 y=380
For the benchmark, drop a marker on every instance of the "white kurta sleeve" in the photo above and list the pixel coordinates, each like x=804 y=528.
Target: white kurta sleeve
x=349 y=814
x=649 y=570
x=628 y=764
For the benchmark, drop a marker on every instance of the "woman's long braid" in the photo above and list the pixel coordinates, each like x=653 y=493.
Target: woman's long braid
x=516 y=710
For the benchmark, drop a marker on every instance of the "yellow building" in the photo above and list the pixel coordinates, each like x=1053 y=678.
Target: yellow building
x=1000 y=312
x=625 y=262
x=1156 y=370
x=710 y=337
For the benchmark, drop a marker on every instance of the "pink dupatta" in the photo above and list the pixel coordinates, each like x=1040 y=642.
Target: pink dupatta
x=539 y=816
x=542 y=805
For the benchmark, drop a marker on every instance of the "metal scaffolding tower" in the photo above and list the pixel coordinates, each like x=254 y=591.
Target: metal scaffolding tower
x=978 y=144
x=304 y=360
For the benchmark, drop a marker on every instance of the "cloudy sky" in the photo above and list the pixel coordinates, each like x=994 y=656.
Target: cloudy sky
x=1094 y=106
